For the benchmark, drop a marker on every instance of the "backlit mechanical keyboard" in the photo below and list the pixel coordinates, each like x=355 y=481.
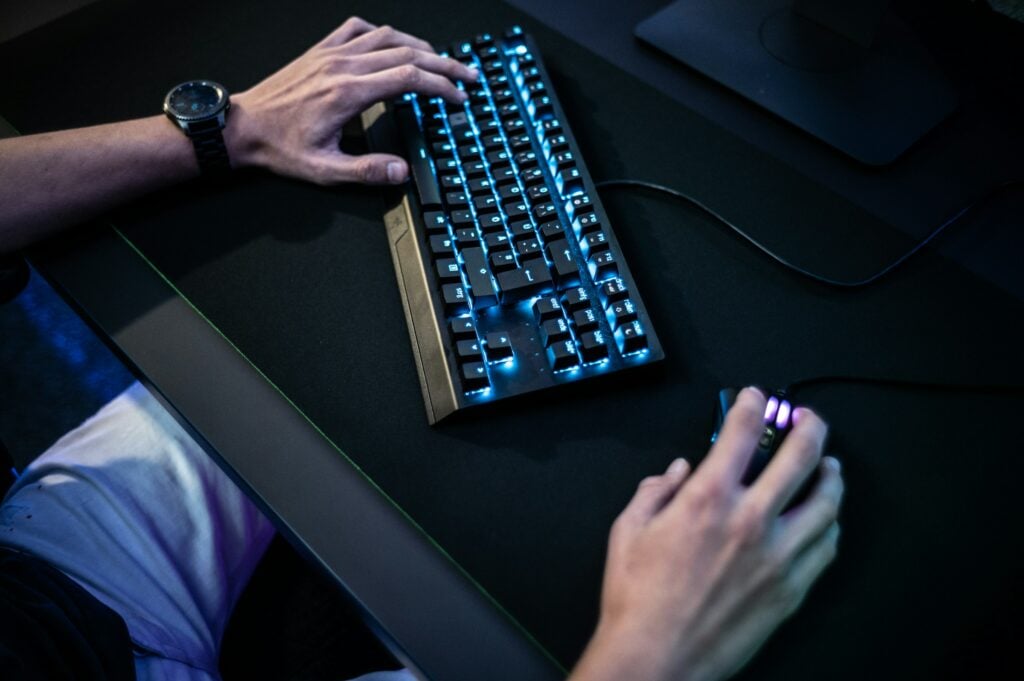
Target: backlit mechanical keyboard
x=510 y=274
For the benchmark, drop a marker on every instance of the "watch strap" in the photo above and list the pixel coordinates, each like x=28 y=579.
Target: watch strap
x=211 y=152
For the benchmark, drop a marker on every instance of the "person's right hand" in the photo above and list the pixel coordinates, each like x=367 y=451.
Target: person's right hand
x=700 y=569
x=291 y=122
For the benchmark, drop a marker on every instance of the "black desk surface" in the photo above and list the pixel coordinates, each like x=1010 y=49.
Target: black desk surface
x=266 y=315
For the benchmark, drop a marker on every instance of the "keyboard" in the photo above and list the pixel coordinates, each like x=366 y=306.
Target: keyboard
x=510 y=274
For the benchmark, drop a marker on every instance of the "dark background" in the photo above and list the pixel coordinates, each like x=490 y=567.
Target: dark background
x=521 y=495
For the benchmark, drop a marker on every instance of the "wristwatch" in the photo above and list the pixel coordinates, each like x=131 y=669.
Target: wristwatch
x=200 y=108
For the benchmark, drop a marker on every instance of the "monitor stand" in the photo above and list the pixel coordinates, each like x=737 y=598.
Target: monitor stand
x=869 y=98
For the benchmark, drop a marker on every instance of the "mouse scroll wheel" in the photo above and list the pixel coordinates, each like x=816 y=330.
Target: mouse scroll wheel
x=767 y=437
x=778 y=412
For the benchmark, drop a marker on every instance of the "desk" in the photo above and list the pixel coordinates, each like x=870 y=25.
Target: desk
x=266 y=317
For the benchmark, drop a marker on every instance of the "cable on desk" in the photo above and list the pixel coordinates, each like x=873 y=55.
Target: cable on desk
x=796 y=268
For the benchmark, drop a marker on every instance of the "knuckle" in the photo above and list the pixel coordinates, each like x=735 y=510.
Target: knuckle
x=386 y=31
x=406 y=54
x=409 y=75
x=367 y=171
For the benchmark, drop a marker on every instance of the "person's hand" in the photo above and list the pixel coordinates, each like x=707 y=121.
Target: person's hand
x=700 y=569
x=291 y=122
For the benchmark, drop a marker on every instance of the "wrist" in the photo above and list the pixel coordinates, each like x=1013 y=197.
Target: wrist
x=619 y=650
x=242 y=140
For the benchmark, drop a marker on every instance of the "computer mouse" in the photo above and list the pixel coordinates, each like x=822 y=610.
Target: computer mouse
x=778 y=420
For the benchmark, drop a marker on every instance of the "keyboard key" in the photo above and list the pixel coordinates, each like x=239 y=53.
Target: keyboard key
x=441 y=246
x=456 y=200
x=491 y=223
x=522 y=230
x=569 y=181
x=462 y=218
x=497 y=242
x=538 y=192
x=585 y=224
x=448 y=270
x=498 y=346
x=621 y=312
x=593 y=346
x=593 y=244
x=547 y=308
x=613 y=290
x=466 y=237
x=435 y=222
x=468 y=351
x=564 y=268
x=474 y=376
x=576 y=299
x=485 y=204
x=462 y=328
x=545 y=211
x=563 y=355
x=502 y=262
x=510 y=193
x=552 y=231
x=585 y=320
x=518 y=284
x=516 y=210
x=554 y=330
x=528 y=250
x=456 y=301
x=603 y=265
x=532 y=177
x=479 y=277
x=631 y=338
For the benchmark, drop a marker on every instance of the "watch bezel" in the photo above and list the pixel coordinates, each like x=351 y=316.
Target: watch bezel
x=223 y=102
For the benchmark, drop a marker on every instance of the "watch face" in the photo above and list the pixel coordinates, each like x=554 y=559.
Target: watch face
x=195 y=100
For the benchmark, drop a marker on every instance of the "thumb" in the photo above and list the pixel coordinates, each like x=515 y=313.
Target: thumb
x=369 y=169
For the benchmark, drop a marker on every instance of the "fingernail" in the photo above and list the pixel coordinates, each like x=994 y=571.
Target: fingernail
x=758 y=391
x=797 y=414
x=473 y=73
x=677 y=466
x=396 y=173
x=833 y=463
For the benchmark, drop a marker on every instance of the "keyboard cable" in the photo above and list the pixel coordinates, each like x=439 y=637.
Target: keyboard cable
x=953 y=219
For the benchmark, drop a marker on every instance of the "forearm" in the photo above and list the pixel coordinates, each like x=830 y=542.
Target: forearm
x=620 y=653
x=52 y=180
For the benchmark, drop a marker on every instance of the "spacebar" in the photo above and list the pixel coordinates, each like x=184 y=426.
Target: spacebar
x=419 y=164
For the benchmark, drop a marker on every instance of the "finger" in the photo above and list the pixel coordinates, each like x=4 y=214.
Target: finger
x=730 y=456
x=655 y=491
x=792 y=464
x=384 y=37
x=806 y=523
x=408 y=78
x=351 y=28
x=809 y=565
x=382 y=60
x=365 y=169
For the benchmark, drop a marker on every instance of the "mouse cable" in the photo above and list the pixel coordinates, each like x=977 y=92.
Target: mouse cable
x=1016 y=390
x=796 y=268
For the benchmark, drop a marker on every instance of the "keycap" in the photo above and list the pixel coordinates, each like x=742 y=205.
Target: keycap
x=503 y=261
x=455 y=299
x=466 y=237
x=569 y=181
x=479 y=277
x=462 y=328
x=474 y=376
x=448 y=270
x=564 y=268
x=521 y=283
x=585 y=224
x=532 y=176
x=593 y=243
x=593 y=346
x=456 y=200
x=529 y=249
x=603 y=266
x=461 y=218
x=554 y=330
x=613 y=290
x=576 y=299
x=538 y=192
x=545 y=211
x=552 y=231
x=497 y=242
x=423 y=176
x=547 y=308
x=622 y=311
x=585 y=319
x=631 y=338
x=435 y=222
x=468 y=350
x=498 y=346
x=563 y=355
x=522 y=230
x=441 y=245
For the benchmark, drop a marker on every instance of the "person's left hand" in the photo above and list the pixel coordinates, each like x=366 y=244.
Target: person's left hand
x=291 y=122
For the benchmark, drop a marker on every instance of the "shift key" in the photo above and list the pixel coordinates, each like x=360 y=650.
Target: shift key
x=479 y=276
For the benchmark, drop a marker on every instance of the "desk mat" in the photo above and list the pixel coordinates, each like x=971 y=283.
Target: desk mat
x=521 y=495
